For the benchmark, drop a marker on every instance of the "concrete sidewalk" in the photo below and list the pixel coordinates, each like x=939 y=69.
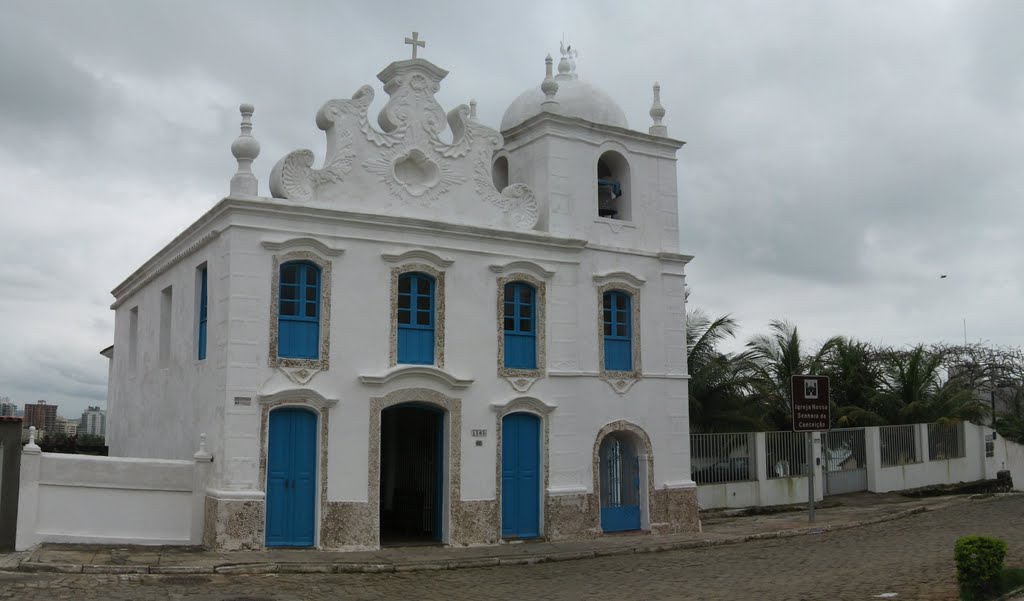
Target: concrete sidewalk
x=719 y=528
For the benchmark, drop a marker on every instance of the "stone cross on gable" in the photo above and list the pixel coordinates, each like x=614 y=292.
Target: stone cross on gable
x=415 y=41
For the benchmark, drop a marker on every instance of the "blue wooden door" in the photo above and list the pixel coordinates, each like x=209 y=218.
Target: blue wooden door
x=620 y=485
x=520 y=476
x=291 y=478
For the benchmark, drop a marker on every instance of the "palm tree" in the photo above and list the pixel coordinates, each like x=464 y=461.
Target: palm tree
x=913 y=381
x=777 y=357
x=855 y=375
x=719 y=382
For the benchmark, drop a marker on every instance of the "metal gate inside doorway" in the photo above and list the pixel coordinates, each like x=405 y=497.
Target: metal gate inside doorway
x=843 y=452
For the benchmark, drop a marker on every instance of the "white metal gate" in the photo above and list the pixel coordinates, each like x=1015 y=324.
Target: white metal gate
x=844 y=456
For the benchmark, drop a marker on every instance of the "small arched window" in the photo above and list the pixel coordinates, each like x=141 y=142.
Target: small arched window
x=520 y=326
x=416 y=318
x=613 y=195
x=499 y=173
x=298 y=314
x=618 y=331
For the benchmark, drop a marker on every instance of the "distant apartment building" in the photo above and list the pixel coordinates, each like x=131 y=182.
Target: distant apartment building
x=66 y=426
x=94 y=422
x=41 y=415
x=8 y=409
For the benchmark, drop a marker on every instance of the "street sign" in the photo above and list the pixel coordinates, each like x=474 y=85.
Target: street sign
x=810 y=404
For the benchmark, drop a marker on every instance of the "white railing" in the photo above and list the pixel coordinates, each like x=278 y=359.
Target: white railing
x=945 y=441
x=786 y=454
x=716 y=458
x=899 y=445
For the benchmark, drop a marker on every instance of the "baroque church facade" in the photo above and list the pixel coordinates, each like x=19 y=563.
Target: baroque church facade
x=445 y=333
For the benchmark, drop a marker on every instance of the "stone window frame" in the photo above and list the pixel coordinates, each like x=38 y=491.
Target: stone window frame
x=621 y=380
x=540 y=325
x=439 y=305
x=322 y=362
x=538 y=408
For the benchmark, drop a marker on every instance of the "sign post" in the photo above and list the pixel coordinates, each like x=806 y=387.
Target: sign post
x=811 y=413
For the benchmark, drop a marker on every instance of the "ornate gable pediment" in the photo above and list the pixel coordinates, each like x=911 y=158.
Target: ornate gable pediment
x=405 y=168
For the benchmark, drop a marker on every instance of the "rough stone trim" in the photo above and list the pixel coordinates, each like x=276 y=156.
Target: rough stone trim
x=438 y=311
x=620 y=380
x=322 y=412
x=453 y=433
x=322 y=363
x=638 y=434
x=540 y=325
x=533 y=407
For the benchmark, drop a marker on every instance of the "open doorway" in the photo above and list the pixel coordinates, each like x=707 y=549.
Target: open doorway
x=412 y=475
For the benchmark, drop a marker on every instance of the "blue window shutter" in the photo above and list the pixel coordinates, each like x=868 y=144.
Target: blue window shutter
x=201 y=343
x=520 y=325
x=416 y=317
x=298 y=311
x=618 y=331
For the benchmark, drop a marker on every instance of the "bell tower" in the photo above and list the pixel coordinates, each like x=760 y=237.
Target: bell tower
x=593 y=176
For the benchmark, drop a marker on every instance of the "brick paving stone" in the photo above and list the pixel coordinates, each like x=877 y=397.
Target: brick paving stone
x=912 y=557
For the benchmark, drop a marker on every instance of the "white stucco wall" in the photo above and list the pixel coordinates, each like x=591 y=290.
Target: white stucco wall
x=83 y=499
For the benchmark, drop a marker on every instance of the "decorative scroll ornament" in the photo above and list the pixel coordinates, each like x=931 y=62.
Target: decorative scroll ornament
x=407 y=155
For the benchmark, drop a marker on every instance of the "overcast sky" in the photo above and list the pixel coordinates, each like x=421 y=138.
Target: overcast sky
x=840 y=155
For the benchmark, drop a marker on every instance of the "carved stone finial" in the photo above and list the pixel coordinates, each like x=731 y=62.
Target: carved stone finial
x=415 y=42
x=202 y=454
x=31 y=447
x=246 y=149
x=549 y=86
x=657 y=113
x=472 y=109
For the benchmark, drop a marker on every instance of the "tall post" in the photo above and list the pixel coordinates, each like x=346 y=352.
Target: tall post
x=810 y=476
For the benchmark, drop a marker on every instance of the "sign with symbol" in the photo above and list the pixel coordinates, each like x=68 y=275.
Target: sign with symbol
x=811 y=411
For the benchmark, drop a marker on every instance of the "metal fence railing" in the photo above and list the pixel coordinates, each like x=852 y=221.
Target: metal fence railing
x=898 y=445
x=718 y=458
x=945 y=441
x=844 y=449
x=786 y=454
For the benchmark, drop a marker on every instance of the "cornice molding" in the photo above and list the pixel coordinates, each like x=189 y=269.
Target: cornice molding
x=526 y=402
x=411 y=371
x=307 y=396
x=418 y=254
x=140 y=278
x=529 y=267
x=305 y=242
x=619 y=276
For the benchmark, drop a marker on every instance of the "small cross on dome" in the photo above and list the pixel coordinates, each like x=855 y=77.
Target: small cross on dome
x=415 y=41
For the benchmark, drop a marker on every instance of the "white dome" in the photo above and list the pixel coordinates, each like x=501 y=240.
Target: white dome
x=575 y=97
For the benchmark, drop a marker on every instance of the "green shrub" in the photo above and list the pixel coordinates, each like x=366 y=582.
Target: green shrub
x=979 y=563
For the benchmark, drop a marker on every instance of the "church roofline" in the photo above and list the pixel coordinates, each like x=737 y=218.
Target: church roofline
x=545 y=117
x=202 y=231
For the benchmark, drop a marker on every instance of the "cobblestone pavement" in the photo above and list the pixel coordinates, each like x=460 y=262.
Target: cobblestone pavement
x=911 y=557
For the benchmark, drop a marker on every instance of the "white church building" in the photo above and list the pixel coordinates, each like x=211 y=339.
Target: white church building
x=444 y=333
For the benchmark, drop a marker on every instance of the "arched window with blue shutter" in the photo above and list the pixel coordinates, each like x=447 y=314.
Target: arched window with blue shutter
x=520 y=326
x=618 y=331
x=416 y=318
x=298 y=314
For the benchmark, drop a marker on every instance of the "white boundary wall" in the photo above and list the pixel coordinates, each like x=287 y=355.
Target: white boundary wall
x=113 y=500
x=973 y=466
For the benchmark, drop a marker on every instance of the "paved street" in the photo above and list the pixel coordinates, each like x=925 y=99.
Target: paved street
x=911 y=557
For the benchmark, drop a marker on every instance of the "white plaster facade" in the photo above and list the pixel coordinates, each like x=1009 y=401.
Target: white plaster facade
x=357 y=216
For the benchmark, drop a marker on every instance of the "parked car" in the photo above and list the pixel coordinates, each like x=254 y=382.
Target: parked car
x=733 y=469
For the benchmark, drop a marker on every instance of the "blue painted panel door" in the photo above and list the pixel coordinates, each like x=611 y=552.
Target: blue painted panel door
x=620 y=486
x=291 y=478
x=520 y=476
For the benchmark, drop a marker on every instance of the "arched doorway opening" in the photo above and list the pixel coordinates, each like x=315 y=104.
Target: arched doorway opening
x=618 y=460
x=412 y=474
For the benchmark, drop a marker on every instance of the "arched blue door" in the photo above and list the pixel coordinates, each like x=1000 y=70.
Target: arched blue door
x=520 y=476
x=620 y=485
x=291 y=478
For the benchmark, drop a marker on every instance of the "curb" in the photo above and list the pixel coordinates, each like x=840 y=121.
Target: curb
x=343 y=567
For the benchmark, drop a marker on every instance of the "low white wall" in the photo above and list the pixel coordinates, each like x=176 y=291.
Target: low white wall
x=969 y=468
x=113 y=500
